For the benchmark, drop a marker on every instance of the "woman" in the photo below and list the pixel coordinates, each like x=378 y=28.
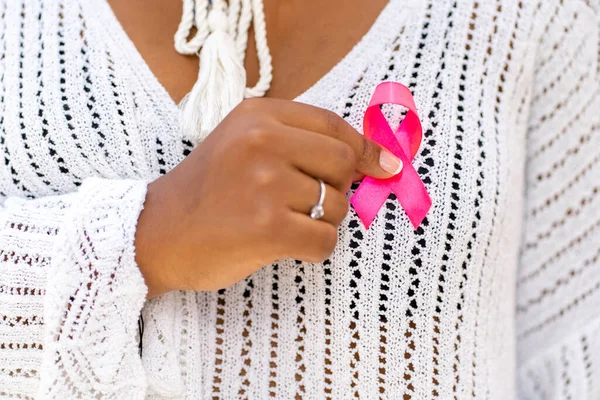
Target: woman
x=494 y=296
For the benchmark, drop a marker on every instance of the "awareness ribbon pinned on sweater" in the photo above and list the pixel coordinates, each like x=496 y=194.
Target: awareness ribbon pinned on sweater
x=404 y=144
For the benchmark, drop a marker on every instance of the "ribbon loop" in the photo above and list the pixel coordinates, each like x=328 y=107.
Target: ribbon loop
x=404 y=144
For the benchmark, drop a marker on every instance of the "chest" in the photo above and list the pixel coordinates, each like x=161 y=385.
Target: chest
x=92 y=90
x=306 y=39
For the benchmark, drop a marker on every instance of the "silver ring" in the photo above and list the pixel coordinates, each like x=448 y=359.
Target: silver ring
x=317 y=212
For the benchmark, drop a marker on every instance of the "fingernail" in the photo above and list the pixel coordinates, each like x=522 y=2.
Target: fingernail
x=390 y=162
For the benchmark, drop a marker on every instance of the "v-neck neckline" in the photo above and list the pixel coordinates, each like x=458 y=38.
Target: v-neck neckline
x=366 y=49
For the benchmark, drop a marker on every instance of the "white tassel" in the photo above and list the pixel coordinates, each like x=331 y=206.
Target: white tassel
x=221 y=81
x=222 y=37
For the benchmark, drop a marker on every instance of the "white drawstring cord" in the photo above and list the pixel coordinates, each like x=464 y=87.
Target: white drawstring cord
x=263 y=52
x=221 y=41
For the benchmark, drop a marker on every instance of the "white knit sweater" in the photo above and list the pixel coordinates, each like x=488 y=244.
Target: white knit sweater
x=495 y=296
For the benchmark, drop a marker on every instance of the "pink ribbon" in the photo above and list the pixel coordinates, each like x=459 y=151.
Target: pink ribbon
x=404 y=143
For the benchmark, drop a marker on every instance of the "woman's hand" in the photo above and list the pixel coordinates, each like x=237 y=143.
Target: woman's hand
x=242 y=198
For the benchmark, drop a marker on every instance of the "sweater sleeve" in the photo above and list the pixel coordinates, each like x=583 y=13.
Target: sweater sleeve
x=71 y=294
x=558 y=287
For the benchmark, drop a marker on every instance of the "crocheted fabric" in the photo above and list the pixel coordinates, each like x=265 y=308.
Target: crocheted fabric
x=495 y=296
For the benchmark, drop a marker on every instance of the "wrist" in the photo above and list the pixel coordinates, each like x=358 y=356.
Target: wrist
x=148 y=246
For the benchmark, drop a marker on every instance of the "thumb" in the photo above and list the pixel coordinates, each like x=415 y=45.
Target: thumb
x=377 y=162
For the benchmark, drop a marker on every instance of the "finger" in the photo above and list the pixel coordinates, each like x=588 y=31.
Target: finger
x=304 y=193
x=319 y=156
x=357 y=176
x=307 y=239
x=372 y=159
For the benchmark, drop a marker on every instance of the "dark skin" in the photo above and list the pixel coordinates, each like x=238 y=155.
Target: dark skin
x=241 y=199
x=297 y=30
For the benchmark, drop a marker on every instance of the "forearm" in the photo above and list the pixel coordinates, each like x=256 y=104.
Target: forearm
x=71 y=292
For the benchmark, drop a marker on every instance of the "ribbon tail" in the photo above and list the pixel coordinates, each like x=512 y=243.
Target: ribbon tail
x=368 y=199
x=412 y=195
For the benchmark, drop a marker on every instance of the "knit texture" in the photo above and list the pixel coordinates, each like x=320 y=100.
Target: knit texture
x=495 y=296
